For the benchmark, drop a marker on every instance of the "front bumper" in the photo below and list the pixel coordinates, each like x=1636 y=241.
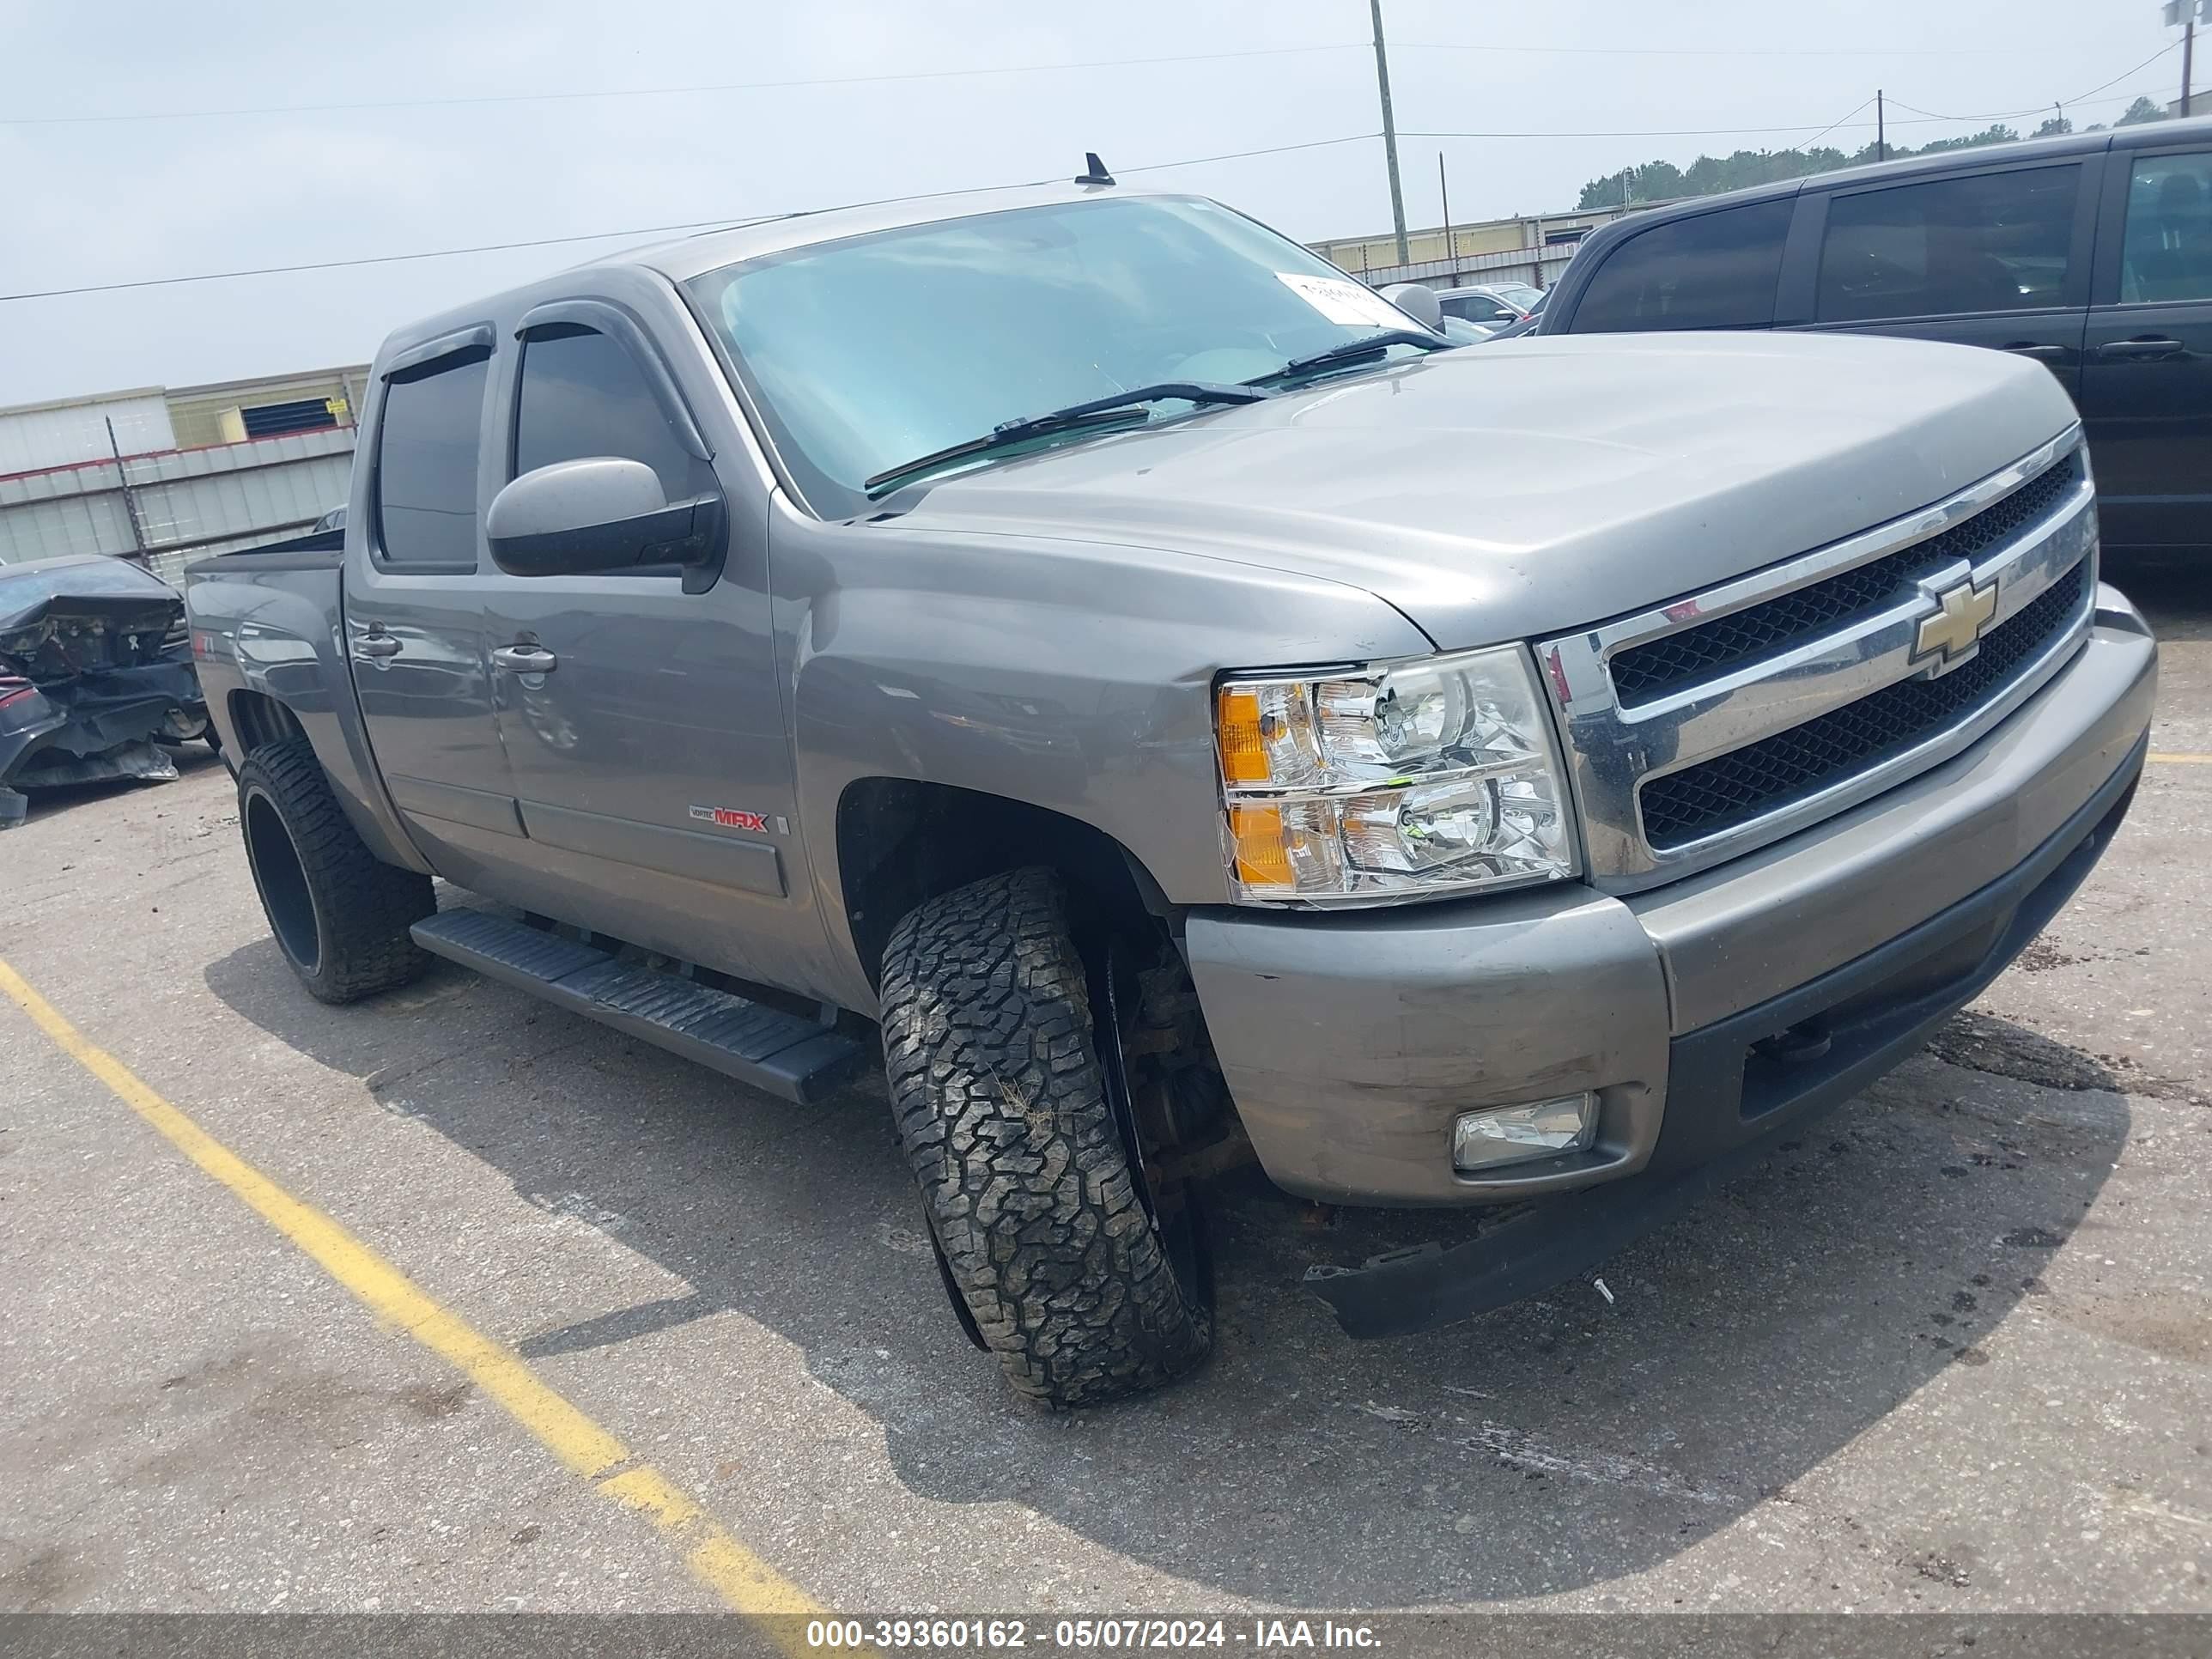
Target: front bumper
x=1352 y=1040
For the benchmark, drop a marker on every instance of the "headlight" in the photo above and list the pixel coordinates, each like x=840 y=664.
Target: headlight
x=1428 y=778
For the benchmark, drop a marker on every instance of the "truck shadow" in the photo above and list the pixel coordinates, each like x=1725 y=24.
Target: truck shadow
x=1555 y=1445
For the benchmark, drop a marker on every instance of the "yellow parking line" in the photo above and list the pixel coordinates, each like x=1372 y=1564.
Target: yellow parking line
x=2178 y=760
x=741 y=1578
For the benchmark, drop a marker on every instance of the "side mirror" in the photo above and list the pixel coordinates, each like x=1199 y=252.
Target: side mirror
x=598 y=516
x=1419 y=302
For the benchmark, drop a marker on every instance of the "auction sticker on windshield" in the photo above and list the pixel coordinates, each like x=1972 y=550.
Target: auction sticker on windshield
x=1342 y=300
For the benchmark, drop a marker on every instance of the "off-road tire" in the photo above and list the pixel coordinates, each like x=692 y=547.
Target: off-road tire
x=351 y=938
x=1002 y=1108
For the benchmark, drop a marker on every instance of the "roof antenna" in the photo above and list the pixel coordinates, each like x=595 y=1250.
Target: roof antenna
x=1094 y=170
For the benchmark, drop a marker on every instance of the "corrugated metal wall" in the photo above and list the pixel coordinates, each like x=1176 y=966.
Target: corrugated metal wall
x=1537 y=267
x=1374 y=258
x=175 y=508
x=63 y=434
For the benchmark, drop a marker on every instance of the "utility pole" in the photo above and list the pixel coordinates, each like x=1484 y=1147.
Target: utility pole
x=1451 y=237
x=1389 y=133
x=130 y=501
x=2185 y=14
x=1880 y=128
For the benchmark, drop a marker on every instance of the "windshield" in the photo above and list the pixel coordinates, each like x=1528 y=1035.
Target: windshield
x=866 y=353
x=1519 y=294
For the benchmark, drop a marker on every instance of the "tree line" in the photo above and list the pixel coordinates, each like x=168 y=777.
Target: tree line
x=1662 y=181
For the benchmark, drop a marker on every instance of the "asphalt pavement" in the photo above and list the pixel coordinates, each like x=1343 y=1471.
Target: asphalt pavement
x=1950 y=1350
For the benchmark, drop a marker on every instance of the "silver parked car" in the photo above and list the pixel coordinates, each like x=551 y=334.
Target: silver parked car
x=1490 y=304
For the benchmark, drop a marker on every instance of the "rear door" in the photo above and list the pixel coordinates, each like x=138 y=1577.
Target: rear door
x=414 y=611
x=650 y=759
x=1993 y=256
x=2147 y=382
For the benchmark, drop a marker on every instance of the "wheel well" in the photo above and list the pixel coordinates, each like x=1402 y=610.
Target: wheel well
x=258 y=718
x=901 y=842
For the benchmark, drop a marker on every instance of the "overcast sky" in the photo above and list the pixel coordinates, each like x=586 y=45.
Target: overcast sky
x=90 y=202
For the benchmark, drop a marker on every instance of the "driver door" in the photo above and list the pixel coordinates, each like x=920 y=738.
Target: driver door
x=639 y=711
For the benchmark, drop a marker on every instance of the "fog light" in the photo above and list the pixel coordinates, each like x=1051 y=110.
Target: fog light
x=1514 y=1135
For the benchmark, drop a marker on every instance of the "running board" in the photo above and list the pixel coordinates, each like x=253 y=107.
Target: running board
x=781 y=1053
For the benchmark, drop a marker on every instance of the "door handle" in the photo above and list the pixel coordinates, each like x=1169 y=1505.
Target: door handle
x=2139 y=348
x=376 y=646
x=2048 y=354
x=526 y=659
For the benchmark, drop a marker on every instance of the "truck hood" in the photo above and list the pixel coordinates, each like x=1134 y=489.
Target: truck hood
x=1510 y=491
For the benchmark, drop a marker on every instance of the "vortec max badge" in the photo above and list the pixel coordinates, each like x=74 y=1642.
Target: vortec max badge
x=724 y=818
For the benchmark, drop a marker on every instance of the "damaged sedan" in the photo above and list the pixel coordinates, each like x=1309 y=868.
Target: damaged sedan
x=96 y=678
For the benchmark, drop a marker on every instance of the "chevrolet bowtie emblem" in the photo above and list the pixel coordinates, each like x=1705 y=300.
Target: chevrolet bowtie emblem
x=1952 y=633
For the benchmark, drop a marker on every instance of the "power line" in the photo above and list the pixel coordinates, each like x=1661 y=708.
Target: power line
x=637 y=233
x=689 y=89
x=1832 y=125
x=2123 y=75
x=1750 y=132
x=655 y=92
x=1237 y=155
x=2036 y=109
x=1726 y=52
x=1152 y=166
x=1651 y=132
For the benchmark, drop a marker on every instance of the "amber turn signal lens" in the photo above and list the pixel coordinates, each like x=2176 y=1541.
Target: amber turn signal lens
x=1243 y=754
x=1263 y=857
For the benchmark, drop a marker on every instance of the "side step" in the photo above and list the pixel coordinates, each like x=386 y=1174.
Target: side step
x=781 y=1054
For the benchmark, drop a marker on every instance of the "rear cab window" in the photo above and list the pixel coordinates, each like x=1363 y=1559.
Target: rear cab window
x=424 y=499
x=1948 y=246
x=1709 y=270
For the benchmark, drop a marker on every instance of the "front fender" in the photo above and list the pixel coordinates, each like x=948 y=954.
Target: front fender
x=1069 y=676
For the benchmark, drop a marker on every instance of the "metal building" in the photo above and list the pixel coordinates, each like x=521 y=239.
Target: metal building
x=1528 y=248
x=166 y=476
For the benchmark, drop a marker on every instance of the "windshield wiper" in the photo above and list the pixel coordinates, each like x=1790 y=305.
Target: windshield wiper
x=1373 y=345
x=1110 y=410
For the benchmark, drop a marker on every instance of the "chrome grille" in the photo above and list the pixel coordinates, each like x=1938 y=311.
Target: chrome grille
x=1645 y=671
x=1701 y=728
x=1721 y=793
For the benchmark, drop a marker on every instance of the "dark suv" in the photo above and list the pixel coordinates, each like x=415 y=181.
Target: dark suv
x=2091 y=254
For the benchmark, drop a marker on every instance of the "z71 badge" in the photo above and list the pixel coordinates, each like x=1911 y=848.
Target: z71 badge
x=725 y=817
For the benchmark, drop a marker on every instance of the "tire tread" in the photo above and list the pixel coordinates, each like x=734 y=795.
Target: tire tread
x=1001 y=1108
x=365 y=907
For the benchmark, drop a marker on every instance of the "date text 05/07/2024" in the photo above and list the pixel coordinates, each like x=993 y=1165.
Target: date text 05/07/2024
x=1110 y=1635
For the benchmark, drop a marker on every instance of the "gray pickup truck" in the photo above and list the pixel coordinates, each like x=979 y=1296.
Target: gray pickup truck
x=1191 y=713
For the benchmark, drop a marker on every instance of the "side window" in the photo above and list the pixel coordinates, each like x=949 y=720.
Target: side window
x=583 y=395
x=1991 y=242
x=1713 y=270
x=2166 y=253
x=1475 y=308
x=426 y=462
